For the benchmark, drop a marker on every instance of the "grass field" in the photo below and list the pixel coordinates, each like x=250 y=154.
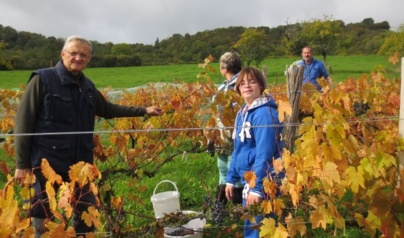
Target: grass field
x=127 y=77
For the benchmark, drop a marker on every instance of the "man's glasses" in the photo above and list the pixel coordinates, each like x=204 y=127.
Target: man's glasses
x=75 y=54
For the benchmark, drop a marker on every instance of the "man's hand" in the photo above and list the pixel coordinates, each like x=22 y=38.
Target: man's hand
x=229 y=192
x=154 y=111
x=24 y=176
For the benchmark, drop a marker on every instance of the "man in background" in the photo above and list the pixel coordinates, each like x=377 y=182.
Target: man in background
x=314 y=69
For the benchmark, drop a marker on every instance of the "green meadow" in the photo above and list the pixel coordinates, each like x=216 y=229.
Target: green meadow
x=342 y=67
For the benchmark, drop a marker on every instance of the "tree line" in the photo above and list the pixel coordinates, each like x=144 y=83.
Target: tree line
x=26 y=50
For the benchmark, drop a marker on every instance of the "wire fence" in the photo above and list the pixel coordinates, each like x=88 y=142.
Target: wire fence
x=349 y=121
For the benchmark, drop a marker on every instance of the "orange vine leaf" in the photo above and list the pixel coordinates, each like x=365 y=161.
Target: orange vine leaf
x=284 y=109
x=278 y=206
x=82 y=173
x=266 y=206
x=250 y=178
x=269 y=187
x=92 y=217
x=295 y=225
x=66 y=197
x=317 y=218
x=49 y=173
x=330 y=174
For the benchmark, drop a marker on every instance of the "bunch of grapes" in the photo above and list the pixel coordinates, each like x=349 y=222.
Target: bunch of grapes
x=180 y=231
x=218 y=208
x=360 y=108
x=211 y=148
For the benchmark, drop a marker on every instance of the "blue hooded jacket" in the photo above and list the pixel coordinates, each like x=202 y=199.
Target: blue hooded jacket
x=256 y=142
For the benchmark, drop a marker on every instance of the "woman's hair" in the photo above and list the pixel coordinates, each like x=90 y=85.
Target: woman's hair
x=231 y=61
x=79 y=39
x=255 y=74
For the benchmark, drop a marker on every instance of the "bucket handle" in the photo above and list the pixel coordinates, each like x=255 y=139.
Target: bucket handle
x=165 y=181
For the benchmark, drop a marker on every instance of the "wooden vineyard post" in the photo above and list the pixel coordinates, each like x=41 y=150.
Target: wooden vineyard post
x=294 y=78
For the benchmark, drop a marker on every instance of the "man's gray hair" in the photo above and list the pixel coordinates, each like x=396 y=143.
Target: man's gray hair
x=79 y=39
x=231 y=61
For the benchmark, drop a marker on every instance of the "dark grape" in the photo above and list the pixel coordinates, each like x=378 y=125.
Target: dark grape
x=218 y=211
x=360 y=108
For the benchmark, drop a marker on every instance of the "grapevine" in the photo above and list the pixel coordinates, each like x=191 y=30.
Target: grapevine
x=342 y=172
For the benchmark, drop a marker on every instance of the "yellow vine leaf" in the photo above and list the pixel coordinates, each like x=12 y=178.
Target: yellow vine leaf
x=6 y=231
x=284 y=109
x=313 y=201
x=384 y=160
x=94 y=188
x=266 y=206
x=49 y=173
x=27 y=193
x=370 y=223
x=250 y=178
x=318 y=219
x=330 y=174
x=367 y=168
x=333 y=215
x=294 y=192
x=29 y=231
x=351 y=145
x=23 y=225
x=355 y=178
x=269 y=230
x=66 y=197
x=313 y=164
x=268 y=227
x=291 y=175
x=295 y=225
x=82 y=173
x=9 y=214
x=281 y=232
x=92 y=217
x=278 y=206
x=50 y=191
x=7 y=195
x=56 y=230
x=335 y=135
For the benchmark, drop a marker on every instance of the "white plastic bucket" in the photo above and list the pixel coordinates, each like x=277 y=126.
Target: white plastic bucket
x=165 y=202
x=196 y=225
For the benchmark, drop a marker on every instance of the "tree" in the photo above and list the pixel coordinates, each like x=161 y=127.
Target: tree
x=393 y=43
x=322 y=35
x=122 y=49
x=4 y=64
x=251 y=46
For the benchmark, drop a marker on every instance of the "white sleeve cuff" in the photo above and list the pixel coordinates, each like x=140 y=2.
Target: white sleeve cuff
x=256 y=194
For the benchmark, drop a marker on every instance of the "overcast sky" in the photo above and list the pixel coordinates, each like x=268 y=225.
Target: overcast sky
x=136 y=21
